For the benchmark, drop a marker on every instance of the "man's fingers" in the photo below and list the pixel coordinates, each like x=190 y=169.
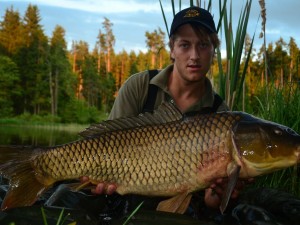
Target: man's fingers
x=211 y=198
x=84 y=179
x=111 y=189
x=99 y=189
x=103 y=188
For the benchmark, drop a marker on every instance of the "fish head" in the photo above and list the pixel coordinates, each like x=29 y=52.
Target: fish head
x=265 y=146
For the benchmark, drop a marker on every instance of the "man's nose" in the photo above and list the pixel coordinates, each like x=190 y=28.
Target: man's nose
x=194 y=53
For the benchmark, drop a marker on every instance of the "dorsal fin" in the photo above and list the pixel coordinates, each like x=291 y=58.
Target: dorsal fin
x=165 y=113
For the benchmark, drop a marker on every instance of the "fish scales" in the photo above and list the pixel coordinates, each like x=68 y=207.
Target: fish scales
x=165 y=158
x=169 y=155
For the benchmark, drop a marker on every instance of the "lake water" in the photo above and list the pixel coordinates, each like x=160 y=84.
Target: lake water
x=37 y=135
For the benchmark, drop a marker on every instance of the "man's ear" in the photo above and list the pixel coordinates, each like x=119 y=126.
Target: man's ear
x=172 y=54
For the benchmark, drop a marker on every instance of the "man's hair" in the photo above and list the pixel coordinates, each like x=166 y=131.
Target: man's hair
x=201 y=32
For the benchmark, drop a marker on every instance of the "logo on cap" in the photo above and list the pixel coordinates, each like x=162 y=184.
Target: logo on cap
x=192 y=13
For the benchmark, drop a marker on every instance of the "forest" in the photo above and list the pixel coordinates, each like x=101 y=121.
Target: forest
x=39 y=76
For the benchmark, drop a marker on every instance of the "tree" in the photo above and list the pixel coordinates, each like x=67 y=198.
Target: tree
x=80 y=52
x=132 y=63
x=293 y=52
x=60 y=67
x=155 y=42
x=108 y=90
x=107 y=41
x=10 y=31
x=10 y=86
x=91 y=81
x=121 y=68
x=281 y=59
x=32 y=59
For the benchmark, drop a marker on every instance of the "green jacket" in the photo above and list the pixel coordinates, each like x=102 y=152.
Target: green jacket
x=133 y=94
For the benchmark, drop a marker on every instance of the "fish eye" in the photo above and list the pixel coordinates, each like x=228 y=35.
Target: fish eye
x=278 y=132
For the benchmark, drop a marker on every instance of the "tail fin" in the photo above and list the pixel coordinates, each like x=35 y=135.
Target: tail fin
x=24 y=188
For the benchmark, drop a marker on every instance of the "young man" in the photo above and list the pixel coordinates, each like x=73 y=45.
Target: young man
x=193 y=40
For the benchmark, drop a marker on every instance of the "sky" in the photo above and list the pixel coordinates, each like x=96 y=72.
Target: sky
x=82 y=19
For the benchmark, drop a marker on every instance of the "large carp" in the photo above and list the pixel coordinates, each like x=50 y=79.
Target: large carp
x=160 y=154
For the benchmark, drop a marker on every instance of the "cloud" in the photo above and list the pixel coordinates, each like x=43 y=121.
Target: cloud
x=107 y=7
x=132 y=23
x=272 y=31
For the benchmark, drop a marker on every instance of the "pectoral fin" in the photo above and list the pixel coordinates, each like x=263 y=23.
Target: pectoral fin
x=176 y=204
x=233 y=174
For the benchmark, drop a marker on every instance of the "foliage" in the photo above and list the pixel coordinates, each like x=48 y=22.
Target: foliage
x=50 y=78
x=231 y=78
x=9 y=80
x=61 y=219
x=60 y=78
x=133 y=213
x=281 y=105
x=155 y=43
x=47 y=77
x=78 y=111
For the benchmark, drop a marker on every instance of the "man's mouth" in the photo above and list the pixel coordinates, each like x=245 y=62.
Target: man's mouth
x=194 y=66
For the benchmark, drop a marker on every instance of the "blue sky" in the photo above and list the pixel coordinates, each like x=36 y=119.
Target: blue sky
x=82 y=19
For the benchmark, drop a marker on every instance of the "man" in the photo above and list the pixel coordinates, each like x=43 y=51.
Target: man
x=193 y=40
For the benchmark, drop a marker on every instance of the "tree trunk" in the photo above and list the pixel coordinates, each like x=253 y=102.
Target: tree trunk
x=108 y=60
x=51 y=93
x=56 y=92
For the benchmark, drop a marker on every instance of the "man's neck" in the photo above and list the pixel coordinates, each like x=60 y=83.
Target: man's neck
x=184 y=93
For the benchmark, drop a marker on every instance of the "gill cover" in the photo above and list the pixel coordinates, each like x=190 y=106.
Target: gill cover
x=265 y=146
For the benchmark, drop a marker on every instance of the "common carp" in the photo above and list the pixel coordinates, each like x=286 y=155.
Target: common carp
x=163 y=153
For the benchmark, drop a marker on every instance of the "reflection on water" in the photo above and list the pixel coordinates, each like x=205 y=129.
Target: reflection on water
x=38 y=135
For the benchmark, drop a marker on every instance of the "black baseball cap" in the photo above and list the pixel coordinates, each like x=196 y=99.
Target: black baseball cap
x=193 y=15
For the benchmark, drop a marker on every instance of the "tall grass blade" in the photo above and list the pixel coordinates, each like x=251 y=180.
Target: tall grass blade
x=44 y=216
x=164 y=16
x=59 y=221
x=221 y=12
x=133 y=213
x=173 y=7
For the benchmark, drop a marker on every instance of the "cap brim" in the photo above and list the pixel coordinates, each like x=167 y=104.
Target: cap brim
x=211 y=30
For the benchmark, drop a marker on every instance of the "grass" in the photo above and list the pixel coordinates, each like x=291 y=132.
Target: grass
x=27 y=118
x=281 y=105
x=62 y=218
x=133 y=213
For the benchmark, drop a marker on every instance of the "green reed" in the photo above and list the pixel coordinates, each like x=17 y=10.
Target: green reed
x=281 y=105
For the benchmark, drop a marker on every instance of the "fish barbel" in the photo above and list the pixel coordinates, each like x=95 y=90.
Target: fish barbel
x=160 y=154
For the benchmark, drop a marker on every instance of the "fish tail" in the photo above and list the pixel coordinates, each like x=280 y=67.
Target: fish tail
x=24 y=187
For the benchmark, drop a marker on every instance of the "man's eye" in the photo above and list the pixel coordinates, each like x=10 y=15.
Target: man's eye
x=184 y=45
x=203 y=45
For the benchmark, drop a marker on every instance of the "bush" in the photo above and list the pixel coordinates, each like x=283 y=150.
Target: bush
x=79 y=112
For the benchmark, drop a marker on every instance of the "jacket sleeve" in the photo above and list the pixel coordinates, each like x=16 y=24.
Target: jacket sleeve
x=131 y=96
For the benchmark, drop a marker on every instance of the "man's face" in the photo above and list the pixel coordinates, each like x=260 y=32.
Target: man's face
x=192 y=54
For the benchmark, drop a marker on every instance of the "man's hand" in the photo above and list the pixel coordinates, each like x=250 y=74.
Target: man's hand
x=101 y=188
x=213 y=194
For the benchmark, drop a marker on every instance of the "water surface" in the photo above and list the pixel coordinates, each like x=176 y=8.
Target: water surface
x=39 y=135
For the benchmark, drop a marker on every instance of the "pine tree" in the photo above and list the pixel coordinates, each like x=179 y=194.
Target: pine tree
x=60 y=77
x=33 y=61
x=9 y=86
x=10 y=32
x=108 y=41
x=293 y=53
x=155 y=42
